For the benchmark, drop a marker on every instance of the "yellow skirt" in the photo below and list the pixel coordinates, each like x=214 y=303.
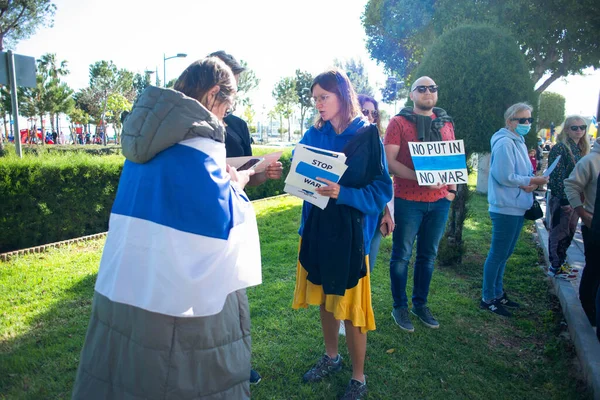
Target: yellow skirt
x=355 y=305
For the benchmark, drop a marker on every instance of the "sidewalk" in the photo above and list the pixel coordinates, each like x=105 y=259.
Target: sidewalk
x=581 y=331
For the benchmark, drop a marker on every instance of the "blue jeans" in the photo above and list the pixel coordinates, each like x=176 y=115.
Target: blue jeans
x=505 y=233
x=425 y=222
x=375 y=242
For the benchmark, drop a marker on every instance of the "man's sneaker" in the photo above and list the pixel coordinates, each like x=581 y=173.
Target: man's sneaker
x=425 y=316
x=324 y=367
x=506 y=302
x=402 y=319
x=255 y=377
x=494 y=307
x=355 y=390
x=568 y=267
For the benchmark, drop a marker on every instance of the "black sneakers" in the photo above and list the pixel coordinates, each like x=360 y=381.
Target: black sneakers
x=495 y=307
x=324 y=367
x=356 y=390
x=425 y=316
x=504 y=300
x=255 y=377
x=402 y=319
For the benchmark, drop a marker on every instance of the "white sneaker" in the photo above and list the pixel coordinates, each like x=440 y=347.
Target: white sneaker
x=342 y=328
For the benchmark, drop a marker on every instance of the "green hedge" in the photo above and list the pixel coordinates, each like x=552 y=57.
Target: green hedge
x=57 y=197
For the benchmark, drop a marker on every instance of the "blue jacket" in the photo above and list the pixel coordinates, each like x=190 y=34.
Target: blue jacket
x=369 y=200
x=510 y=168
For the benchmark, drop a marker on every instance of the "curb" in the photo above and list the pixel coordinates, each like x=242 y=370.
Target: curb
x=582 y=334
x=42 y=248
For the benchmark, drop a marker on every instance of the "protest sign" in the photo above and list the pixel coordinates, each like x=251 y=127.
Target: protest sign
x=439 y=162
x=308 y=164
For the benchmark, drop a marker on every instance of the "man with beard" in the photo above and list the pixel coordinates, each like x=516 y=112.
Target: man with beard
x=418 y=210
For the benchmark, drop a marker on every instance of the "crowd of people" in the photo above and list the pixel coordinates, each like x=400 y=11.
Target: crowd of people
x=170 y=315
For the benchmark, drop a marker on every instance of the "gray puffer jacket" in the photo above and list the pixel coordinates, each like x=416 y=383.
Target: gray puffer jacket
x=163 y=117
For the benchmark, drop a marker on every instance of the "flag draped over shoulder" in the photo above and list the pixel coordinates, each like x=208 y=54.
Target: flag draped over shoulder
x=181 y=237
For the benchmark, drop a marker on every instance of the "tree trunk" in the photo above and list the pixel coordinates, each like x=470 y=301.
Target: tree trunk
x=452 y=247
x=289 y=129
x=483 y=172
x=43 y=133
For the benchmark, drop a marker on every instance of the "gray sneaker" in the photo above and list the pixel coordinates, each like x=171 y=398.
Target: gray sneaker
x=356 y=390
x=402 y=319
x=324 y=367
x=425 y=316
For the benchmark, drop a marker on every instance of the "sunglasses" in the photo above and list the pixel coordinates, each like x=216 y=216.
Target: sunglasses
x=575 y=127
x=423 y=89
x=374 y=113
x=523 y=120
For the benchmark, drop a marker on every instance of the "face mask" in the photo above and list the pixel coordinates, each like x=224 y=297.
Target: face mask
x=523 y=129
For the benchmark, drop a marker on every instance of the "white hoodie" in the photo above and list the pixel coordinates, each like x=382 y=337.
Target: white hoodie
x=583 y=180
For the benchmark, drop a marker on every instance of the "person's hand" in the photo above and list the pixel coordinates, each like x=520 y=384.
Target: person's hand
x=241 y=178
x=437 y=186
x=387 y=225
x=274 y=170
x=450 y=196
x=529 y=188
x=586 y=219
x=566 y=208
x=538 y=180
x=331 y=190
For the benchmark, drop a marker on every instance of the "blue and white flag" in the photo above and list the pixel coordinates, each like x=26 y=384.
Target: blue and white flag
x=439 y=162
x=181 y=237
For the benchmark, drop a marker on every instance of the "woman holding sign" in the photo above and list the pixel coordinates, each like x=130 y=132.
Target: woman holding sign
x=332 y=270
x=571 y=145
x=510 y=185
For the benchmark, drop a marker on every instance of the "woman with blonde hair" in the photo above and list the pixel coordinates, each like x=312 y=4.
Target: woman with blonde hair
x=332 y=270
x=571 y=144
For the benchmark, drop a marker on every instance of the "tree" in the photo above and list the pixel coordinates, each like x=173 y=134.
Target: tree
x=552 y=109
x=286 y=97
x=557 y=37
x=304 y=81
x=355 y=69
x=77 y=117
x=249 y=115
x=19 y=19
x=116 y=104
x=141 y=82
x=58 y=95
x=480 y=72
x=247 y=82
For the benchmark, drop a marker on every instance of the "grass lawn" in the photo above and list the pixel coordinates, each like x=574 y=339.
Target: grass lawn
x=45 y=302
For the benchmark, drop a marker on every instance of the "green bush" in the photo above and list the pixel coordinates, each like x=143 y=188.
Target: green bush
x=56 y=196
x=52 y=198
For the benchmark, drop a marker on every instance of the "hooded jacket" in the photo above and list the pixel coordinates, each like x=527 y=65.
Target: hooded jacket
x=583 y=180
x=510 y=168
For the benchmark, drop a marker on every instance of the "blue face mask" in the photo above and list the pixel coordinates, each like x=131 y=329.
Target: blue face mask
x=523 y=129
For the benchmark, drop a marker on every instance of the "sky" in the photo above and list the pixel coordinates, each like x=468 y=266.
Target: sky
x=275 y=37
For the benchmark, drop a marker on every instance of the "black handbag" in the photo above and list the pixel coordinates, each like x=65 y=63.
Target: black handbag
x=535 y=212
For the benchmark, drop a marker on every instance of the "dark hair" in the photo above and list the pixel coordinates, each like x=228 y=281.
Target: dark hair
x=202 y=75
x=364 y=98
x=230 y=60
x=337 y=82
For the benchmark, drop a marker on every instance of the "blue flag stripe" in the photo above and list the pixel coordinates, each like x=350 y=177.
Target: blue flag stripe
x=182 y=188
x=313 y=172
x=439 y=163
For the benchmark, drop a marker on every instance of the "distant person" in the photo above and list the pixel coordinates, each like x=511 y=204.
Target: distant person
x=420 y=212
x=571 y=145
x=548 y=146
x=385 y=225
x=332 y=270
x=238 y=144
x=533 y=160
x=539 y=155
x=170 y=315
x=510 y=186
x=54 y=137
x=580 y=188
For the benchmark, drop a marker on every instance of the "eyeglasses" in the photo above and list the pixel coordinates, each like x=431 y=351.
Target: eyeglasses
x=575 y=127
x=320 y=99
x=423 y=89
x=522 y=120
x=374 y=113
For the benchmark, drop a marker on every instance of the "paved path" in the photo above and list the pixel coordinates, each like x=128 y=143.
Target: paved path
x=581 y=331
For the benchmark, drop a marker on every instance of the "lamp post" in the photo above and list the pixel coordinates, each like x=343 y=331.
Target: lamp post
x=165 y=58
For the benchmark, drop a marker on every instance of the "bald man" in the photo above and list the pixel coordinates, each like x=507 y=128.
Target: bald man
x=418 y=210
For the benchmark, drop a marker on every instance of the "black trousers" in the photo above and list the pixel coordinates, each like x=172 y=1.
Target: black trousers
x=590 y=279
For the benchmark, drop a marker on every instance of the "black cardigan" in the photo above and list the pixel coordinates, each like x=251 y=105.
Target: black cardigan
x=332 y=249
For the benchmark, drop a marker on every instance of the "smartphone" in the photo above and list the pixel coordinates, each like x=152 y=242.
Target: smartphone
x=249 y=164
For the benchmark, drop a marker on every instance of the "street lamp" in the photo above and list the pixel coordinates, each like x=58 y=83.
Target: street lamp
x=165 y=58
